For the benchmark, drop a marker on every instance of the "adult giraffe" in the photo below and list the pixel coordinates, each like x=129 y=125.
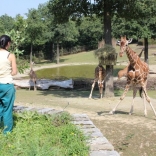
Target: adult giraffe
x=136 y=75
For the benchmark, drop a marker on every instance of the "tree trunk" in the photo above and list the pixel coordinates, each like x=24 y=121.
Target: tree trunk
x=57 y=53
x=146 y=50
x=52 y=52
x=31 y=53
x=109 y=87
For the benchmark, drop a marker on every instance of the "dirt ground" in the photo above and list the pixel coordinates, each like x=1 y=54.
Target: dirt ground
x=131 y=135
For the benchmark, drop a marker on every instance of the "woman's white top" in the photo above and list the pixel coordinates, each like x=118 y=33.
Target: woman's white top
x=5 y=67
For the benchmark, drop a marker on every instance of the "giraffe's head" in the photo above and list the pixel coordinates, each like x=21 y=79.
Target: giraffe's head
x=123 y=43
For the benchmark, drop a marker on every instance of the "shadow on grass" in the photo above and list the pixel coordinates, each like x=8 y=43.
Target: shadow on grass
x=117 y=112
x=65 y=93
x=69 y=93
x=101 y=113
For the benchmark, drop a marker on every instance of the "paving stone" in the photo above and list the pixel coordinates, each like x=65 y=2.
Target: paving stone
x=29 y=109
x=18 y=108
x=82 y=119
x=83 y=122
x=97 y=146
x=91 y=130
x=96 y=134
x=45 y=110
x=104 y=153
x=101 y=140
x=54 y=112
x=81 y=115
x=35 y=109
x=86 y=126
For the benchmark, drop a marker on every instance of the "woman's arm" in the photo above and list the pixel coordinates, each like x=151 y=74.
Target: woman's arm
x=12 y=59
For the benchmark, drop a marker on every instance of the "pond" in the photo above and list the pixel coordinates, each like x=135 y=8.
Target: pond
x=72 y=71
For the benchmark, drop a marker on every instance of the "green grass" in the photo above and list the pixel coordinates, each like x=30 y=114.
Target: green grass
x=89 y=57
x=43 y=135
x=79 y=58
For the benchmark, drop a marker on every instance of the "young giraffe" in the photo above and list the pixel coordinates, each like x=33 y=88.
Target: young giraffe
x=32 y=76
x=100 y=74
x=136 y=75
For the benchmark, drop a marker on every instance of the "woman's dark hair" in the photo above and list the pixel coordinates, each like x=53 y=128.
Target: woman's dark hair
x=4 y=39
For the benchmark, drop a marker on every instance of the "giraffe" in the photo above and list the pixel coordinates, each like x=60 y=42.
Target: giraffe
x=137 y=74
x=124 y=71
x=32 y=76
x=100 y=74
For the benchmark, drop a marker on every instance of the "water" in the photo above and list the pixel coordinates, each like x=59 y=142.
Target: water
x=73 y=71
x=67 y=72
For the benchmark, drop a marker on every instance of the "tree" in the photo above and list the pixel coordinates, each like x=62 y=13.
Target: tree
x=6 y=24
x=48 y=20
x=91 y=31
x=66 y=32
x=35 y=29
x=63 y=10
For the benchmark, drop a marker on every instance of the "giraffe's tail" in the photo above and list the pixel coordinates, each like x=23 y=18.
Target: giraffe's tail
x=140 y=92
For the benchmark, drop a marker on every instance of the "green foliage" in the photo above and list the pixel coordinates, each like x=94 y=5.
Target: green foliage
x=35 y=28
x=22 y=65
x=17 y=40
x=34 y=134
x=62 y=10
x=91 y=31
x=61 y=119
x=106 y=55
x=6 y=24
x=121 y=27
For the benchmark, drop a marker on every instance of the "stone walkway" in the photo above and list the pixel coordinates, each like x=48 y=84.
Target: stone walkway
x=99 y=145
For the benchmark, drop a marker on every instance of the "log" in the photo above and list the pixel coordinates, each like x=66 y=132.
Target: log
x=44 y=84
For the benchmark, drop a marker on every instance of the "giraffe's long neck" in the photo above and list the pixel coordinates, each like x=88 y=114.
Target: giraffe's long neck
x=132 y=56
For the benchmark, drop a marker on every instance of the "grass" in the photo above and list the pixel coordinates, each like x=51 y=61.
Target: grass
x=79 y=58
x=40 y=135
x=89 y=57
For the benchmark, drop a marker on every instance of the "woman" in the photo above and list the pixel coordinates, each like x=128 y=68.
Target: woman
x=8 y=68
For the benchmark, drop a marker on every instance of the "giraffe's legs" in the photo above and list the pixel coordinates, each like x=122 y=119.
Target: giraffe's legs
x=34 y=85
x=101 y=92
x=30 y=84
x=121 y=98
x=145 y=109
x=100 y=84
x=148 y=100
x=134 y=95
x=90 y=96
